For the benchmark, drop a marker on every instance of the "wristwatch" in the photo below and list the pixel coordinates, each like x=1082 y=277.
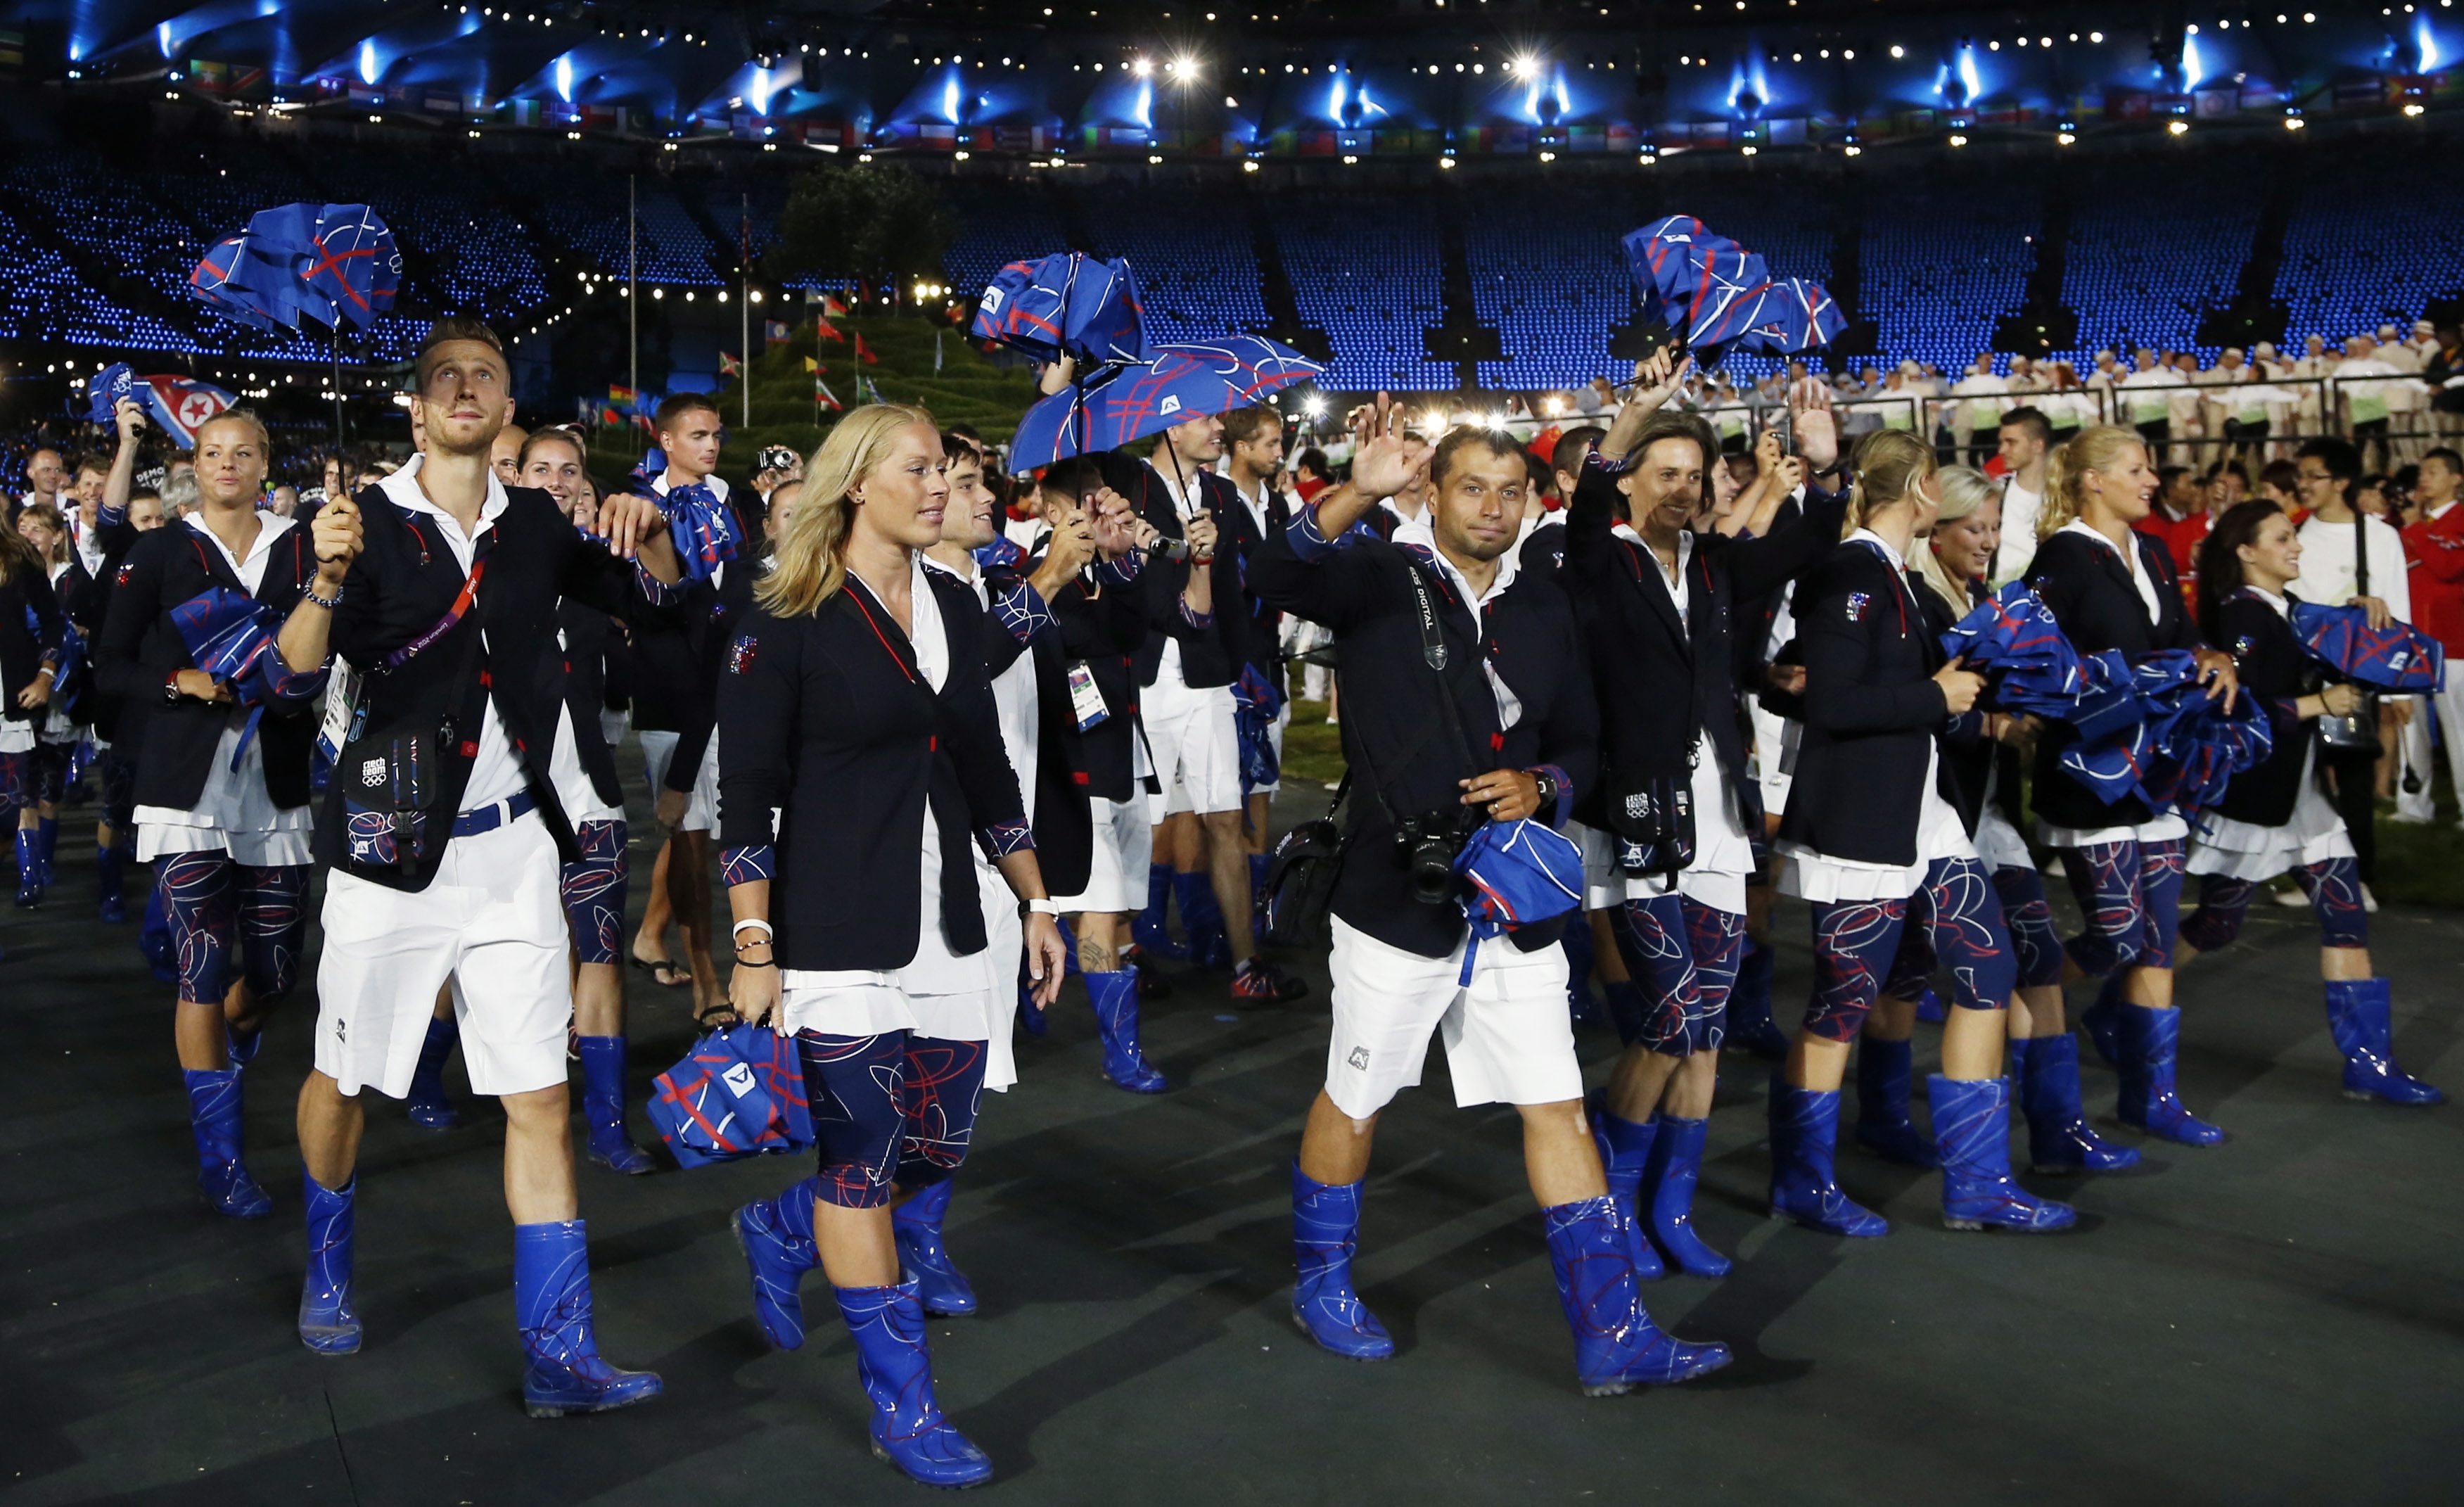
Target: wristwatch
x=172 y=688
x=1547 y=789
x=1041 y=905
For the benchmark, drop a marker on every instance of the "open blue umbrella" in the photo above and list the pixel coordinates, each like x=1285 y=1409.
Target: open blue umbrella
x=1066 y=304
x=1130 y=403
x=1720 y=296
x=242 y=287
x=336 y=264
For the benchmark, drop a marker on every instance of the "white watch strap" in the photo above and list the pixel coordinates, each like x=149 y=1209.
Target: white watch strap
x=1043 y=907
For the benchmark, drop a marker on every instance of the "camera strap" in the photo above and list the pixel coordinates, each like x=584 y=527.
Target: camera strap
x=1433 y=651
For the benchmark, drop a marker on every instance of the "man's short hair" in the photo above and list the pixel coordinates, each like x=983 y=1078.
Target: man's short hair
x=90 y=465
x=675 y=405
x=1465 y=437
x=1313 y=461
x=2039 y=428
x=452 y=328
x=1242 y=426
x=1071 y=480
x=1577 y=443
x=2455 y=462
x=2340 y=457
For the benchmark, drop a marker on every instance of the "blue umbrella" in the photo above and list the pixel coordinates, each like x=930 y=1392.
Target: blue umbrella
x=356 y=266
x=243 y=287
x=1721 y=294
x=2396 y=658
x=1130 y=403
x=336 y=264
x=1066 y=304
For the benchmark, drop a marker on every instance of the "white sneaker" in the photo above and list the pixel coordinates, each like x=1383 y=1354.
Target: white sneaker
x=2369 y=901
x=2292 y=899
x=2404 y=818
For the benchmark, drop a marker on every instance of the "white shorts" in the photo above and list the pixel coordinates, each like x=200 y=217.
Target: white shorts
x=1116 y=877
x=1509 y=1037
x=701 y=806
x=1774 y=760
x=491 y=923
x=1197 y=751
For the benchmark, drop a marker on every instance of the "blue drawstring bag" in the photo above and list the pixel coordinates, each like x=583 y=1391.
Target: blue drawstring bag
x=712 y=1106
x=1515 y=873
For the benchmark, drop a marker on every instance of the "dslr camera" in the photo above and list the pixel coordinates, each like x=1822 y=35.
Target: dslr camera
x=1426 y=845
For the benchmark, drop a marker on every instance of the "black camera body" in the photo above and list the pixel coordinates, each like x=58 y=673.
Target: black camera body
x=1425 y=846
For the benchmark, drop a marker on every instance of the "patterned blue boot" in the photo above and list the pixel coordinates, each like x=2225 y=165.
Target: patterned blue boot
x=154 y=938
x=427 y=1104
x=1669 y=1197
x=2359 y=1015
x=1626 y=1156
x=215 y=1118
x=328 y=1323
x=47 y=832
x=1972 y=1118
x=1204 y=921
x=110 y=873
x=564 y=1372
x=1804 y=1127
x=602 y=1106
x=777 y=1238
x=1325 y=1230
x=1884 y=1072
x=30 y=867
x=908 y=1427
x=2103 y=1019
x=916 y=1226
x=1115 y=998
x=1750 y=1027
x=2151 y=1039
x=1149 y=929
x=1616 y=1346
x=2059 y=1138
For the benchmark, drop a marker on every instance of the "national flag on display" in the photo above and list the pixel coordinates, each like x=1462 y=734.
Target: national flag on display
x=864 y=354
x=824 y=329
x=610 y=415
x=832 y=308
x=823 y=396
x=179 y=405
x=774 y=331
x=729 y=366
x=811 y=364
x=623 y=397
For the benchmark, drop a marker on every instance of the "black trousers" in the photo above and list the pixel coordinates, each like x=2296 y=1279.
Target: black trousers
x=2353 y=778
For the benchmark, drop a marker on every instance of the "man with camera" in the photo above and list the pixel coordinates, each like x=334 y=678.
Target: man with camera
x=1467 y=699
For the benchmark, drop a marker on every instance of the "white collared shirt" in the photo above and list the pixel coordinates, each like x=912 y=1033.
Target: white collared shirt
x=1509 y=706
x=2130 y=561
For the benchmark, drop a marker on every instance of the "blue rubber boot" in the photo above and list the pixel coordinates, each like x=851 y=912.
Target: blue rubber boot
x=1804 y=1126
x=1930 y=1008
x=777 y=1238
x=916 y=1226
x=2059 y=1138
x=427 y=1104
x=1750 y=1027
x=110 y=874
x=1616 y=1346
x=1149 y=929
x=564 y=1371
x=30 y=867
x=1581 y=1001
x=1669 y=1197
x=47 y=831
x=1115 y=998
x=602 y=1106
x=1257 y=898
x=1884 y=1071
x=908 y=1427
x=2359 y=1016
x=1972 y=1118
x=2151 y=1041
x=1325 y=1231
x=1625 y=1155
x=154 y=938
x=2103 y=1019
x=328 y=1322
x=214 y=1119
x=242 y=1046
x=1204 y=921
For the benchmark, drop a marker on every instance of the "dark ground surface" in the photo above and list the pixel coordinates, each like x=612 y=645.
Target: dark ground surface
x=2277 y=1320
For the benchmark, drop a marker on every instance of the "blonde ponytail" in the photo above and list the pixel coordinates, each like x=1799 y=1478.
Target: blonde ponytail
x=2098 y=448
x=1888 y=462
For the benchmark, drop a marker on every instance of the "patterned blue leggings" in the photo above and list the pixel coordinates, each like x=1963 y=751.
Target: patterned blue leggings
x=2333 y=885
x=1684 y=958
x=2131 y=894
x=892 y=1108
x=1858 y=946
x=594 y=893
x=217 y=908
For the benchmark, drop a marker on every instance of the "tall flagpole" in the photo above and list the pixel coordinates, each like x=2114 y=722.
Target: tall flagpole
x=744 y=304
x=632 y=294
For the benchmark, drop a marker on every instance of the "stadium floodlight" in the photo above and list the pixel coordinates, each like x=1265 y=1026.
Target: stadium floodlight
x=1142 y=68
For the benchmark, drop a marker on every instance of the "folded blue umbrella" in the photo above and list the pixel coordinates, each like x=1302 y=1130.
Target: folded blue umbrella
x=1721 y=295
x=232 y=637
x=1514 y=875
x=2396 y=658
x=1255 y=705
x=1130 y=402
x=1066 y=304
x=704 y=530
x=104 y=393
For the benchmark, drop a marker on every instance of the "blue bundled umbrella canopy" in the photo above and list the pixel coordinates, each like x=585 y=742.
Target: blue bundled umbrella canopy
x=1723 y=297
x=1066 y=304
x=336 y=264
x=2396 y=658
x=232 y=637
x=104 y=393
x=1130 y=403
